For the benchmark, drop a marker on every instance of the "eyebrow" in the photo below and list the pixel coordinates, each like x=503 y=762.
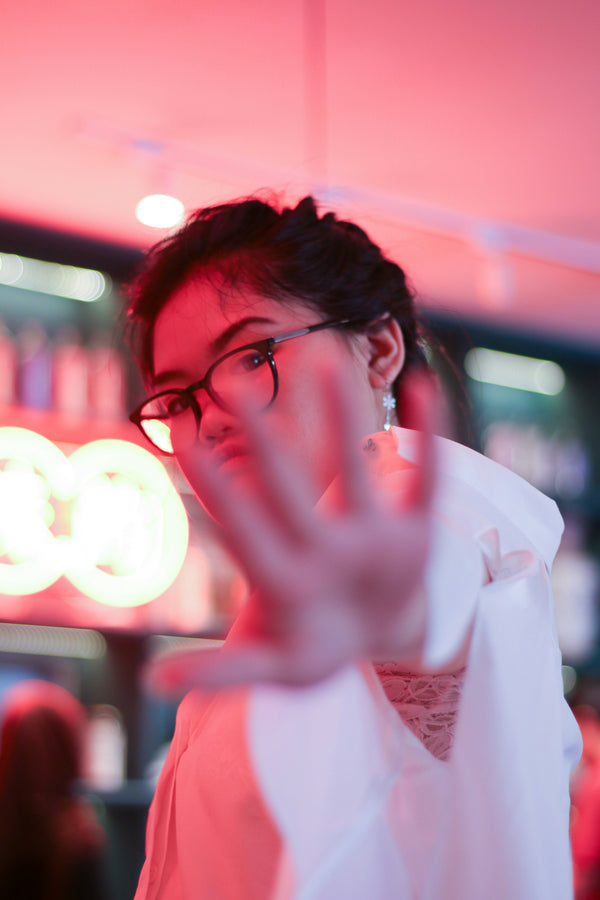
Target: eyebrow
x=215 y=347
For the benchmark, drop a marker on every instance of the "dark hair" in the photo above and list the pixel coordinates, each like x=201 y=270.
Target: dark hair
x=286 y=255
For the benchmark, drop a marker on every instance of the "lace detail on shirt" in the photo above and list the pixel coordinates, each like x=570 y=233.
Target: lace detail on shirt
x=427 y=704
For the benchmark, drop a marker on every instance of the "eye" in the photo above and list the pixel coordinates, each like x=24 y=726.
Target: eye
x=248 y=361
x=176 y=404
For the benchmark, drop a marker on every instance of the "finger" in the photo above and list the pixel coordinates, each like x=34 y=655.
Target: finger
x=175 y=674
x=285 y=487
x=356 y=489
x=420 y=405
x=243 y=524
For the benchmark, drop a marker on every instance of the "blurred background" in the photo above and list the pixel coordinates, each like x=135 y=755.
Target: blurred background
x=464 y=137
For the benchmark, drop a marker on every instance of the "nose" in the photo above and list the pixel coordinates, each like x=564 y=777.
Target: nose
x=215 y=422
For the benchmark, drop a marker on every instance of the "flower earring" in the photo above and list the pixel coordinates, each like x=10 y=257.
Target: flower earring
x=389 y=402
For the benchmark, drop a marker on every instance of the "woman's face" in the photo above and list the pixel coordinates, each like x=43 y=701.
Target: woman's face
x=199 y=324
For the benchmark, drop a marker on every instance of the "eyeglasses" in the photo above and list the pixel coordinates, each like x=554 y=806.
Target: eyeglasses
x=171 y=418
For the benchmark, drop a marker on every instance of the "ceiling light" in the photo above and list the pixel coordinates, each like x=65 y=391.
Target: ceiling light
x=159 y=211
x=71 y=282
x=523 y=373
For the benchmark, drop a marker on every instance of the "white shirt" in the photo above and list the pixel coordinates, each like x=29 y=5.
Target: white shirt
x=325 y=793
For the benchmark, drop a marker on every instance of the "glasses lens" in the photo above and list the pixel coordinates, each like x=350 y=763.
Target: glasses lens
x=168 y=422
x=245 y=375
x=158 y=433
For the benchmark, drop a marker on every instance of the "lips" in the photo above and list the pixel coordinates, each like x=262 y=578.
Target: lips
x=228 y=452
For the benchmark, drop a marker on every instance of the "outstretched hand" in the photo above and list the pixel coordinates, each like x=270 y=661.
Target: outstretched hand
x=330 y=588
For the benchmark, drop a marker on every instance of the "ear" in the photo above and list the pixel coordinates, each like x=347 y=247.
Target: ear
x=386 y=352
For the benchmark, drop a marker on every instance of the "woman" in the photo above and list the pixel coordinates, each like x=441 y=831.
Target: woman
x=51 y=845
x=275 y=345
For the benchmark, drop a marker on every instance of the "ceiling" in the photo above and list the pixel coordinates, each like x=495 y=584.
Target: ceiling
x=464 y=136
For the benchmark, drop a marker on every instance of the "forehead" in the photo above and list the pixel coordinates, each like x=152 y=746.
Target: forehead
x=201 y=310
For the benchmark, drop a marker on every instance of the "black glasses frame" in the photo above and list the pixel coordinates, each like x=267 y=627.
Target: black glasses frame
x=264 y=346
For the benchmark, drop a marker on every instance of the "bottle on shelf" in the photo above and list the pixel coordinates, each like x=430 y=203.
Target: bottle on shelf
x=8 y=367
x=35 y=367
x=106 y=749
x=70 y=374
x=107 y=380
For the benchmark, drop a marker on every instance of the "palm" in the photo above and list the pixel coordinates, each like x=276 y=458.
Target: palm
x=330 y=587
